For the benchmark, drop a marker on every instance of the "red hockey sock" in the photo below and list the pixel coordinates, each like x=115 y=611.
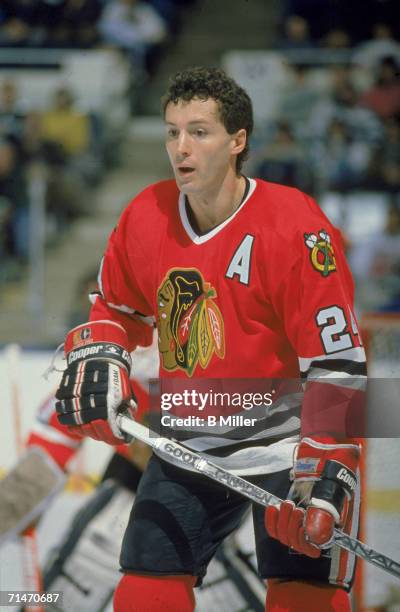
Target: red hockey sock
x=136 y=593
x=292 y=596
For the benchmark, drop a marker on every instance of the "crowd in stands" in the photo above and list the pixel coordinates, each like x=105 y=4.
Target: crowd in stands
x=337 y=23
x=67 y=142
x=64 y=142
x=46 y=23
x=339 y=136
x=136 y=27
x=375 y=262
x=337 y=124
x=139 y=29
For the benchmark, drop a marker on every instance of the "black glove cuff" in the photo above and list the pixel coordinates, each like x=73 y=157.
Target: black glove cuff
x=336 y=481
x=333 y=470
x=331 y=492
x=101 y=350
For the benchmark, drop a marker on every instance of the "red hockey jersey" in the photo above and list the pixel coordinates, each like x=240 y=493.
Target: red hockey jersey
x=265 y=294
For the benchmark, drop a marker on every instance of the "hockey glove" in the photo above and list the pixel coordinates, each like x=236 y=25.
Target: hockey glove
x=95 y=385
x=324 y=482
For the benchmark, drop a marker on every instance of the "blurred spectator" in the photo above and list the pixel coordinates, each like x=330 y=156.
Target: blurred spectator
x=336 y=39
x=76 y=26
x=356 y=18
x=18 y=23
x=296 y=34
x=76 y=135
x=138 y=30
x=133 y=26
x=375 y=263
x=342 y=162
x=170 y=12
x=5 y=216
x=369 y=54
x=49 y=23
x=11 y=115
x=282 y=160
x=343 y=105
x=13 y=193
x=318 y=17
x=66 y=126
x=64 y=143
x=298 y=99
x=127 y=24
x=383 y=256
x=384 y=171
x=32 y=142
x=384 y=96
x=391 y=155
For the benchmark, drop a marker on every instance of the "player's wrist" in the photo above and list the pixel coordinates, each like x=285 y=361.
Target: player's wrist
x=314 y=459
x=100 y=340
x=323 y=504
x=325 y=475
x=129 y=409
x=337 y=483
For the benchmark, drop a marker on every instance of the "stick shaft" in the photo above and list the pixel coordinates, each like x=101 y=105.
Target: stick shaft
x=13 y=357
x=175 y=453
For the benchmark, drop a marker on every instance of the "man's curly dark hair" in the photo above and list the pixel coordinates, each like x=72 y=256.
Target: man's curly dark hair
x=235 y=107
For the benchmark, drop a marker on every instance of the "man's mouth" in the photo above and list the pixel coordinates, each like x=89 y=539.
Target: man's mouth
x=185 y=170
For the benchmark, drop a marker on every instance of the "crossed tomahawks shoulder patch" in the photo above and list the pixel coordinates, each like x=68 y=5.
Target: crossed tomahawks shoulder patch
x=322 y=256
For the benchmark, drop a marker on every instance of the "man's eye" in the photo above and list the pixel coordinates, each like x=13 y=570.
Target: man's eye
x=200 y=133
x=172 y=133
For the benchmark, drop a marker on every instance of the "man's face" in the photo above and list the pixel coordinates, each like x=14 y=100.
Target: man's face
x=199 y=148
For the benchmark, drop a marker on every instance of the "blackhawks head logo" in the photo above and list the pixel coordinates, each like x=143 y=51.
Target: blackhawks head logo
x=190 y=325
x=321 y=252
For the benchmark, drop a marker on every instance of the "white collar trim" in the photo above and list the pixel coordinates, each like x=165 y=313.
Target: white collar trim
x=207 y=236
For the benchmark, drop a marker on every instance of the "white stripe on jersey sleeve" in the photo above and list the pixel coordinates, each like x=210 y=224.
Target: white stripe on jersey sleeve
x=353 y=354
x=342 y=379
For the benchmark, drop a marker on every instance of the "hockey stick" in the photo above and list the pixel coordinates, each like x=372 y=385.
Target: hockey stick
x=175 y=453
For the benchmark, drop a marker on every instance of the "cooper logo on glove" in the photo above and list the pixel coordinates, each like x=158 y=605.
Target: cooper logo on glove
x=344 y=475
x=95 y=387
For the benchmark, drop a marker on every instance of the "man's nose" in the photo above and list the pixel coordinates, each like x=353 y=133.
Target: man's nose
x=183 y=148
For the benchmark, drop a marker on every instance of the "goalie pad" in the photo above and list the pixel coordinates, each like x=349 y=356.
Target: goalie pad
x=85 y=568
x=27 y=491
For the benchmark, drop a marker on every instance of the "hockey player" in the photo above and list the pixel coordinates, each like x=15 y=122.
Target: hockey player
x=244 y=279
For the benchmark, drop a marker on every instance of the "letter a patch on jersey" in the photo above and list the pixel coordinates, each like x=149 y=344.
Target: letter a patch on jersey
x=240 y=263
x=190 y=324
x=322 y=256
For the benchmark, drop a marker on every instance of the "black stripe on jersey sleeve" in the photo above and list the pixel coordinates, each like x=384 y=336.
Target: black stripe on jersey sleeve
x=345 y=366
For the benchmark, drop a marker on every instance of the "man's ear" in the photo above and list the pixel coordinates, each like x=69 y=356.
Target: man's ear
x=239 y=141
